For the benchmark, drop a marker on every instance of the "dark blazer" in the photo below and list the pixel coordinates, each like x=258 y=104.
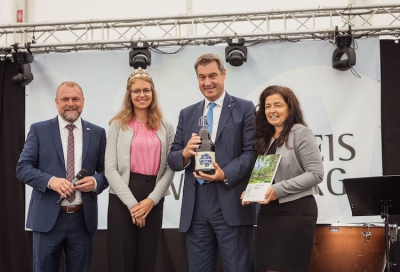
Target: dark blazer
x=234 y=153
x=42 y=158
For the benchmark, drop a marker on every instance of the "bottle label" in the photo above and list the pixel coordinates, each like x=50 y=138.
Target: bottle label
x=204 y=160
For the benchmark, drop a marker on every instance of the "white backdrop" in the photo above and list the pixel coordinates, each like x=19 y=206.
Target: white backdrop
x=341 y=109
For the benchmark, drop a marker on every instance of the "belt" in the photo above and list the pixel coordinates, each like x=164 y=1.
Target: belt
x=71 y=209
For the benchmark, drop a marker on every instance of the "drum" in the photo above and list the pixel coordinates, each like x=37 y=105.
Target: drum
x=348 y=248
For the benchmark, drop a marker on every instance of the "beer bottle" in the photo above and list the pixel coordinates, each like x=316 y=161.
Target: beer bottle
x=205 y=153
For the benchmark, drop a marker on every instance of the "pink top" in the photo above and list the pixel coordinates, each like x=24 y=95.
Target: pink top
x=145 y=150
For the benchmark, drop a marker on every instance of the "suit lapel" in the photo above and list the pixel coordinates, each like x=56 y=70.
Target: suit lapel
x=56 y=137
x=85 y=139
x=225 y=113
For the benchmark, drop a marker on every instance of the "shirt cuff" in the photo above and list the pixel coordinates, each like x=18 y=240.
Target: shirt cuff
x=188 y=164
x=95 y=184
x=48 y=184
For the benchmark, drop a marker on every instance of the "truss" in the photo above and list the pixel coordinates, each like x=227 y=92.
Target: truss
x=209 y=29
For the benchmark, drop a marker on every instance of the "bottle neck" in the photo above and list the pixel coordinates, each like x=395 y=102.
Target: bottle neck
x=203 y=133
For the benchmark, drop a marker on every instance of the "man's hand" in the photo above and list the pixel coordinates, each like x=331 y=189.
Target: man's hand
x=219 y=174
x=85 y=185
x=62 y=186
x=190 y=148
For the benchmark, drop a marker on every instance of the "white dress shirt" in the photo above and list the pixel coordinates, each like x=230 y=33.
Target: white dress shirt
x=216 y=114
x=78 y=145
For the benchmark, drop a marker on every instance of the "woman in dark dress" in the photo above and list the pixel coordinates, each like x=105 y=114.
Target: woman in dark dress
x=288 y=214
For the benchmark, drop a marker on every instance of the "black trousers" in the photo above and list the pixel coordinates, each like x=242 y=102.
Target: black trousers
x=285 y=234
x=131 y=248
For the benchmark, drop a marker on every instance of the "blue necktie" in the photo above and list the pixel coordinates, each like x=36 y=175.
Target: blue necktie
x=210 y=117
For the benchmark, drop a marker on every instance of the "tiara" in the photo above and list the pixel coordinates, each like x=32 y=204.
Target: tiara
x=139 y=72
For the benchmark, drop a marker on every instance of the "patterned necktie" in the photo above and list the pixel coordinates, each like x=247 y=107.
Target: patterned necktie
x=70 y=158
x=210 y=117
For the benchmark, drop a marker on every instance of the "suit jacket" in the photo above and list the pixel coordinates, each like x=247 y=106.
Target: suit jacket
x=234 y=153
x=118 y=158
x=42 y=158
x=301 y=167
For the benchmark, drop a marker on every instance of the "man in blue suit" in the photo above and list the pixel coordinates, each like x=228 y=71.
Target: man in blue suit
x=212 y=215
x=59 y=223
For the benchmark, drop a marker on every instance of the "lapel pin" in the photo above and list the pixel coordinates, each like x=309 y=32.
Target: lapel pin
x=87 y=128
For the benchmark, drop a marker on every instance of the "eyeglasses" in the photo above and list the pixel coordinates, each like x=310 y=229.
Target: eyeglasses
x=137 y=92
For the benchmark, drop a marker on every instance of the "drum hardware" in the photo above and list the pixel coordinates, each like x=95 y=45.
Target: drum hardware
x=394 y=234
x=366 y=234
x=385 y=216
x=374 y=196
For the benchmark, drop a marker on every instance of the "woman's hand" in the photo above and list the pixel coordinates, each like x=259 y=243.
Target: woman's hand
x=140 y=222
x=269 y=196
x=142 y=209
x=244 y=202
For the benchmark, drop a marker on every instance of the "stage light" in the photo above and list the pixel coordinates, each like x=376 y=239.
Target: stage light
x=140 y=56
x=344 y=57
x=236 y=52
x=24 y=75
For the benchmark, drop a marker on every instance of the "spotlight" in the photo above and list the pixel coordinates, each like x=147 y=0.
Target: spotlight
x=140 y=56
x=343 y=43
x=236 y=52
x=24 y=75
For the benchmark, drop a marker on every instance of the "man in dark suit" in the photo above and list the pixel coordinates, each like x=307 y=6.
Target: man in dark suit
x=58 y=221
x=212 y=215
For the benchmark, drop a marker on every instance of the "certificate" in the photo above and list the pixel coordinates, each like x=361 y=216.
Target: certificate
x=261 y=177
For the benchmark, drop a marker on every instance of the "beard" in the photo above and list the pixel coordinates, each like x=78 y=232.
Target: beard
x=70 y=116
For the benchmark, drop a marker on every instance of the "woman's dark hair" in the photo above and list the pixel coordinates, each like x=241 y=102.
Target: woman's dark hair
x=264 y=130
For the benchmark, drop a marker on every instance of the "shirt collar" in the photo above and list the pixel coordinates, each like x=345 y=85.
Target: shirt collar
x=63 y=123
x=218 y=102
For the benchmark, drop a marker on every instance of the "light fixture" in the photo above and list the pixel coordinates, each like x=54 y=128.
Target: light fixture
x=343 y=42
x=24 y=75
x=140 y=56
x=236 y=52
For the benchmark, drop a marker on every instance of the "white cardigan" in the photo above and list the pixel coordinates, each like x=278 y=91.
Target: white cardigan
x=117 y=162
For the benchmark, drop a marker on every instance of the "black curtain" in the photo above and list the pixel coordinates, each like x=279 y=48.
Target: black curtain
x=16 y=243
x=390 y=110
